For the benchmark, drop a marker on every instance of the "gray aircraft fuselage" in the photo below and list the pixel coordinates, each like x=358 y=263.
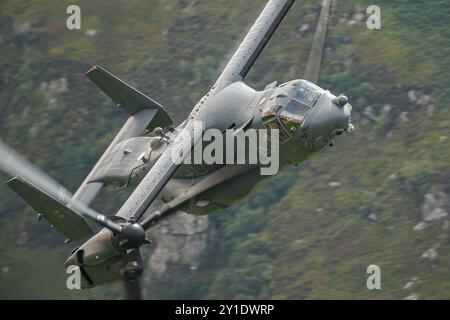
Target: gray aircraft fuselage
x=234 y=107
x=302 y=135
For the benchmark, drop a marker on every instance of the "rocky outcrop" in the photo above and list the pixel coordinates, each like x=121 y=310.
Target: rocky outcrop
x=52 y=89
x=334 y=184
x=431 y=255
x=403 y=117
x=181 y=238
x=369 y=113
x=413 y=296
x=21 y=27
x=419 y=98
x=412 y=283
x=373 y=216
x=435 y=208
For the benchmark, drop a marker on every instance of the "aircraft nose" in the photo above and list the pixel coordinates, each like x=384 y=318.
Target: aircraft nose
x=329 y=116
x=343 y=117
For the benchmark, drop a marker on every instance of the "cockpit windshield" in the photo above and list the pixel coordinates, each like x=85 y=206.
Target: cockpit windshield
x=289 y=112
x=306 y=92
x=303 y=97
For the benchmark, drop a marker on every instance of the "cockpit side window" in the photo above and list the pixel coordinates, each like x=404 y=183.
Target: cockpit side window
x=292 y=115
x=270 y=119
x=297 y=108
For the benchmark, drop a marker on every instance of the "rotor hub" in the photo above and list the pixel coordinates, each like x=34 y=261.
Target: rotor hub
x=341 y=100
x=131 y=237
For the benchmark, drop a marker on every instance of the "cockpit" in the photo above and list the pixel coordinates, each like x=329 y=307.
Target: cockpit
x=287 y=109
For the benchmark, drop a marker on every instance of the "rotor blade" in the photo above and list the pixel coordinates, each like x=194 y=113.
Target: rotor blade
x=14 y=164
x=132 y=288
x=254 y=42
x=161 y=172
x=132 y=269
x=315 y=56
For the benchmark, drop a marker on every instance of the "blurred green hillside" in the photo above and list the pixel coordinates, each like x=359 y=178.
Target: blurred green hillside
x=313 y=231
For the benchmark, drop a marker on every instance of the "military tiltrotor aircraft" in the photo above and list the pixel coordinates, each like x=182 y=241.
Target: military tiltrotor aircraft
x=307 y=118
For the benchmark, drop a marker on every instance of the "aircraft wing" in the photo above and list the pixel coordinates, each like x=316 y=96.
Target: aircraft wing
x=145 y=114
x=255 y=41
x=64 y=219
x=134 y=126
x=127 y=97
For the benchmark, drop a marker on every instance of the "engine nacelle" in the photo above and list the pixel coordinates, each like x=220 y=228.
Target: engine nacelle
x=129 y=161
